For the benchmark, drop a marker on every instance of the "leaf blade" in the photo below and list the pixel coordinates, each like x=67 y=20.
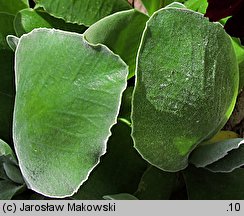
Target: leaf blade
x=167 y=89
x=83 y=12
x=78 y=106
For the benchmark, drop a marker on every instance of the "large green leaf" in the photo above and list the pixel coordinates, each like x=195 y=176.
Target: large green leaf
x=68 y=94
x=119 y=170
x=13 y=6
x=156 y=184
x=7 y=90
x=83 y=11
x=121 y=32
x=206 y=154
x=205 y=185
x=186 y=87
x=28 y=19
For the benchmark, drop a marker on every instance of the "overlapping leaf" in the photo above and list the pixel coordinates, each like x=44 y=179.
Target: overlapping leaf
x=154 y=5
x=187 y=83
x=199 y=5
x=68 y=94
x=11 y=181
x=28 y=19
x=222 y=156
x=121 y=32
x=83 y=12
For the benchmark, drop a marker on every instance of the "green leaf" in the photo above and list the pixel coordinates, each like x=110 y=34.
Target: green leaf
x=7 y=89
x=205 y=185
x=68 y=94
x=13 y=6
x=8 y=165
x=13 y=173
x=119 y=170
x=122 y=196
x=176 y=5
x=156 y=184
x=206 y=154
x=233 y=160
x=6 y=24
x=199 y=5
x=186 y=86
x=125 y=108
x=9 y=189
x=121 y=32
x=154 y=5
x=239 y=49
x=241 y=72
x=6 y=153
x=83 y=12
x=28 y=19
x=12 y=42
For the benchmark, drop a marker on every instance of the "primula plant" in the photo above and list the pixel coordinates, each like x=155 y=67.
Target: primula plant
x=110 y=99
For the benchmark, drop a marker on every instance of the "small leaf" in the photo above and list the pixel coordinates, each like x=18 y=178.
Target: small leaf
x=122 y=196
x=186 y=87
x=9 y=189
x=83 y=12
x=233 y=160
x=13 y=6
x=206 y=154
x=6 y=153
x=221 y=136
x=239 y=50
x=156 y=184
x=12 y=42
x=28 y=19
x=119 y=170
x=68 y=94
x=241 y=72
x=154 y=5
x=13 y=173
x=121 y=32
x=125 y=108
x=176 y=5
x=205 y=185
x=199 y=5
